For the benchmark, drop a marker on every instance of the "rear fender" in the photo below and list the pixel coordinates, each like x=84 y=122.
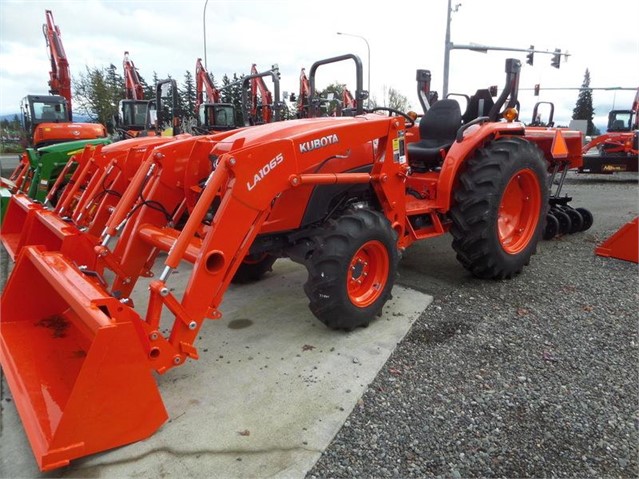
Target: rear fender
x=461 y=151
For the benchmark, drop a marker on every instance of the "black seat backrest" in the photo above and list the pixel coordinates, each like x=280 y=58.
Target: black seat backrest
x=618 y=125
x=479 y=105
x=441 y=121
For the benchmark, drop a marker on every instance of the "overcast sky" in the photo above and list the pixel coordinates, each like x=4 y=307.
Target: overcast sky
x=168 y=37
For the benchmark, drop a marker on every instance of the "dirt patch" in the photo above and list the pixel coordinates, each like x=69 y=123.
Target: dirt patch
x=57 y=324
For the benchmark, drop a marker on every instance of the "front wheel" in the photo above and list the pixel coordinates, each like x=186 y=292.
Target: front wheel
x=253 y=268
x=352 y=270
x=499 y=208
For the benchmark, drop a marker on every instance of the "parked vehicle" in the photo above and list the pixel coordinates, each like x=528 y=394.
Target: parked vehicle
x=341 y=196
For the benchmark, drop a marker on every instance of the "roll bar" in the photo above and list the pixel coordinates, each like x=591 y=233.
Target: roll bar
x=360 y=93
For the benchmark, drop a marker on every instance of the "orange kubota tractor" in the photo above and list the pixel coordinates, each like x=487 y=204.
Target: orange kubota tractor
x=342 y=196
x=618 y=148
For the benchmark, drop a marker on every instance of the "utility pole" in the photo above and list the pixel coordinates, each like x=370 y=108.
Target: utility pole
x=447 y=47
x=368 y=49
x=204 y=26
x=484 y=49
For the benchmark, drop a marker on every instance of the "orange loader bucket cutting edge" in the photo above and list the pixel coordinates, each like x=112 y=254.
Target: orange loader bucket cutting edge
x=624 y=244
x=73 y=360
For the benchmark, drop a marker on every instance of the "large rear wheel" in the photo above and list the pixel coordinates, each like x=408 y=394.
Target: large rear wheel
x=500 y=208
x=352 y=270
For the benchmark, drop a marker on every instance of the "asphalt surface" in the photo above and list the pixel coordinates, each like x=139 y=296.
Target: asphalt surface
x=8 y=161
x=531 y=377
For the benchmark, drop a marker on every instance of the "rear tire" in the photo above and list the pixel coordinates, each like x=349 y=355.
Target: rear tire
x=352 y=270
x=499 y=208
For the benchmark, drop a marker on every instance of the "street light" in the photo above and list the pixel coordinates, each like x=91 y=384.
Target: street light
x=368 y=47
x=448 y=46
x=204 y=25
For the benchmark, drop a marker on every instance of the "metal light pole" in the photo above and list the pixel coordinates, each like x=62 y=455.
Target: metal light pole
x=204 y=25
x=368 y=47
x=447 y=47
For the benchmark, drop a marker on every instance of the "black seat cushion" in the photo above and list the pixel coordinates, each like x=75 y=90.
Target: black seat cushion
x=479 y=105
x=437 y=130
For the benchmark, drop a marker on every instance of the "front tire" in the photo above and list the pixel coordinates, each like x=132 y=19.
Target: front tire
x=499 y=208
x=253 y=268
x=352 y=270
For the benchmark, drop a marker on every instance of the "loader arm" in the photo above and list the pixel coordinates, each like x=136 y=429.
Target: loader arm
x=245 y=204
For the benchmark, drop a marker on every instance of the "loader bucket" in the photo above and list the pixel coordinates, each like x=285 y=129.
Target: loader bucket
x=29 y=223
x=623 y=244
x=20 y=209
x=5 y=196
x=74 y=360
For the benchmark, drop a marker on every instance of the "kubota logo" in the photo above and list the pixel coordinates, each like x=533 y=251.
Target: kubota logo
x=265 y=170
x=318 y=143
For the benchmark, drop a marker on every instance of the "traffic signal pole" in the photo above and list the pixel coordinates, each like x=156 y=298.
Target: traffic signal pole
x=484 y=49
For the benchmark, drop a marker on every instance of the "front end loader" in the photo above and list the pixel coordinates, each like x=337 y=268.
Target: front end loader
x=342 y=196
x=82 y=199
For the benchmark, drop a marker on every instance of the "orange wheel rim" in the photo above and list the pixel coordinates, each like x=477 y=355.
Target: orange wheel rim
x=519 y=211
x=367 y=274
x=254 y=259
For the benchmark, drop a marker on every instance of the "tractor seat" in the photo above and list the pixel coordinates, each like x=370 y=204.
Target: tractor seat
x=618 y=125
x=479 y=104
x=437 y=130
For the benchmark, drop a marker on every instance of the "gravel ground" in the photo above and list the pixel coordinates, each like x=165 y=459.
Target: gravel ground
x=532 y=377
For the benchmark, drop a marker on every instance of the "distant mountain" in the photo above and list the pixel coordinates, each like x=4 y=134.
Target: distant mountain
x=9 y=116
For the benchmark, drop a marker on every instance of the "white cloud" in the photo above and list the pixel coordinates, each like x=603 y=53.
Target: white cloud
x=167 y=37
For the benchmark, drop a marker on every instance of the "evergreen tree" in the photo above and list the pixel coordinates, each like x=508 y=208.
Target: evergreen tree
x=583 y=108
x=231 y=92
x=148 y=90
x=16 y=124
x=152 y=86
x=115 y=83
x=188 y=93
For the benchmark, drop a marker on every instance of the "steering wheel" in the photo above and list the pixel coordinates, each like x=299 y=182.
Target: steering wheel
x=200 y=130
x=409 y=121
x=125 y=134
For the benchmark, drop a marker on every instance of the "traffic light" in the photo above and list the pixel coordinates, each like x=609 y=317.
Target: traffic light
x=530 y=56
x=536 y=89
x=556 y=58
